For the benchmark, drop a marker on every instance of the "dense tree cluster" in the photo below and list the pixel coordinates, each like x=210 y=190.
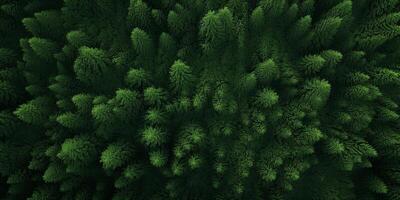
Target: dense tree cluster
x=199 y=99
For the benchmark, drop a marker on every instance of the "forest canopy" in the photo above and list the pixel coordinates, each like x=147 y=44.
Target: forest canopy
x=199 y=99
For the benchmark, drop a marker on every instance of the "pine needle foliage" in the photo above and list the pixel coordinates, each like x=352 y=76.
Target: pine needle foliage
x=199 y=99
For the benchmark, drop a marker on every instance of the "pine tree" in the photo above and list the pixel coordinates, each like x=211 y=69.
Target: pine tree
x=92 y=66
x=116 y=155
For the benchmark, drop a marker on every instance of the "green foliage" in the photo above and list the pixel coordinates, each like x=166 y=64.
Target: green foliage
x=141 y=42
x=43 y=47
x=79 y=39
x=217 y=28
x=138 y=14
x=341 y=10
x=137 y=78
x=102 y=113
x=377 y=31
x=125 y=102
x=155 y=116
x=77 y=151
x=35 y=111
x=312 y=63
x=316 y=92
x=83 y=102
x=267 y=71
x=133 y=172
x=181 y=76
x=92 y=66
x=154 y=96
x=54 y=173
x=273 y=7
x=257 y=19
x=116 y=155
x=157 y=158
x=71 y=120
x=153 y=137
x=332 y=57
x=201 y=99
x=301 y=27
x=325 y=30
x=266 y=98
x=376 y=185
